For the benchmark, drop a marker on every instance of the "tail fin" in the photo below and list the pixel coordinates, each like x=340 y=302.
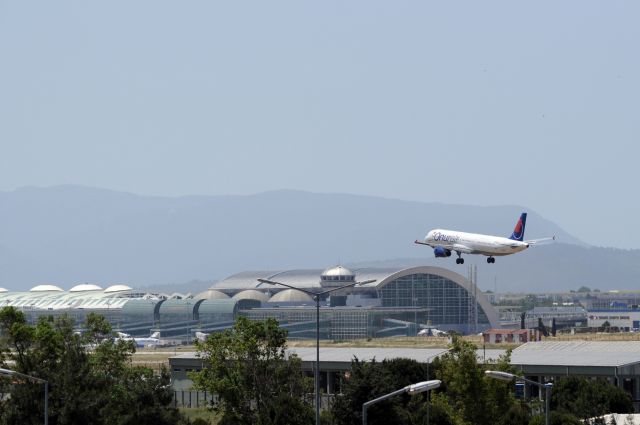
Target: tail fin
x=155 y=335
x=518 y=231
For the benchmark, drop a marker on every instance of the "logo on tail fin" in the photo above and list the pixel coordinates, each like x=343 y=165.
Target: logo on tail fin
x=518 y=231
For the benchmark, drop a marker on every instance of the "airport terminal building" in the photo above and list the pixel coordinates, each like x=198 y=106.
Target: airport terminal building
x=395 y=301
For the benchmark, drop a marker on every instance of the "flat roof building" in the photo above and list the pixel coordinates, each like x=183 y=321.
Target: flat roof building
x=616 y=361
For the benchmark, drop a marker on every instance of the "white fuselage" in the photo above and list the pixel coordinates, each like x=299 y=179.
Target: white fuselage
x=140 y=342
x=473 y=243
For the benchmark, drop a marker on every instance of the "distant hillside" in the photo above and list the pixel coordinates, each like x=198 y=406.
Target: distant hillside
x=71 y=234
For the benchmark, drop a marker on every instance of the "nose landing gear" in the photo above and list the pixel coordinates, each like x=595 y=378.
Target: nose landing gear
x=491 y=260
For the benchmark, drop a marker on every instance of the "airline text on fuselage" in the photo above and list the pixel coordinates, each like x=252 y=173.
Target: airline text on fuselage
x=437 y=236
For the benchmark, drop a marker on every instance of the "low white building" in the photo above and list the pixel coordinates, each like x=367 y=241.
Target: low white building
x=627 y=319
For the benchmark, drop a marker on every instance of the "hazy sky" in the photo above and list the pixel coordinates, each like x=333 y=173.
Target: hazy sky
x=481 y=103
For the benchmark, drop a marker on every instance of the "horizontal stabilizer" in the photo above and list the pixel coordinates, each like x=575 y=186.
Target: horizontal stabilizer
x=541 y=241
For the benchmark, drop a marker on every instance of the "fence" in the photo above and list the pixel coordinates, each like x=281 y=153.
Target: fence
x=195 y=399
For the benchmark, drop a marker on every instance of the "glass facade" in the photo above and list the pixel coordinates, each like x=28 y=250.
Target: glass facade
x=343 y=323
x=447 y=302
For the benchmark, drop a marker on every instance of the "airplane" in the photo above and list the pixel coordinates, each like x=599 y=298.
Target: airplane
x=431 y=332
x=151 y=341
x=444 y=242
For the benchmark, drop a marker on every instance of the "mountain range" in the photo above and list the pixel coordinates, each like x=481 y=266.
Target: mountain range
x=74 y=234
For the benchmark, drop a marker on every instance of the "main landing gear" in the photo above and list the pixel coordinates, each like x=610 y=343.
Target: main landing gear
x=491 y=260
x=459 y=260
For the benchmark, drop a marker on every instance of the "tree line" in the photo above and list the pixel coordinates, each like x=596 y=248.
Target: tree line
x=91 y=376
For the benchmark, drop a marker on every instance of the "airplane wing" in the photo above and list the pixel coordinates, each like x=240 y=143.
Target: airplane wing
x=541 y=241
x=456 y=247
x=463 y=248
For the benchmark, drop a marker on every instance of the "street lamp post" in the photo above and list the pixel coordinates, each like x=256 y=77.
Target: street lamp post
x=413 y=389
x=508 y=377
x=316 y=296
x=429 y=376
x=8 y=372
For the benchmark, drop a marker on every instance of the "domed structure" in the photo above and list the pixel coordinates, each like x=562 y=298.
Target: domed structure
x=211 y=294
x=84 y=287
x=251 y=294
x=46 y=288
x=291 y=296
x=118 y=288
x=337 y=274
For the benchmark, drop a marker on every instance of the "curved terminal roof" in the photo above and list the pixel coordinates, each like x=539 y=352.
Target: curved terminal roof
x=247 y=280
x=215 y=307
x=85 y=287
x=290 y=296
x=310 y=279
x=46 y=288
x=118 y=288
x=50 y=297
x=251 y=294
x=211 y=294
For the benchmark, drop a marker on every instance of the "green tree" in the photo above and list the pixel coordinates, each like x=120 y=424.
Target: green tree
x=465 y=397
x=474 y=398
x=98 y=386
x=247 y=367
x=557 y=418
x=369 y=380
x=588 y=398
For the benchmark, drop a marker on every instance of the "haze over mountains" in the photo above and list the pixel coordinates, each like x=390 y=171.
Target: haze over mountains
x=72 y=234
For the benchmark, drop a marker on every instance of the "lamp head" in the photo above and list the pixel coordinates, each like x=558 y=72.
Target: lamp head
x=423 y=386
x=6 y=372
x=502 y=376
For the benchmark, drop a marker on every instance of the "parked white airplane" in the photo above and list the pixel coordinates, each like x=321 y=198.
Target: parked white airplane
x=150 y=341
x=431 y=332
x=444 y=242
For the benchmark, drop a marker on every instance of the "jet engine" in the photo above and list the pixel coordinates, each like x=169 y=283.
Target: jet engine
x=440 y=251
